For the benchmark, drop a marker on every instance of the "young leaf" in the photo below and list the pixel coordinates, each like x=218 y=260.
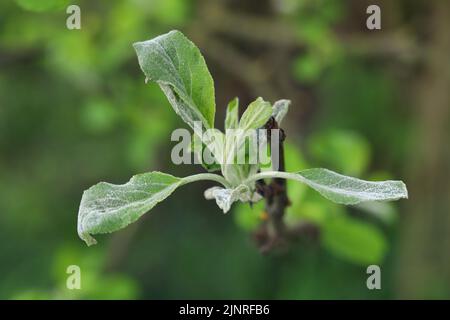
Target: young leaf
x=232 y=116
x=347 y=190
x=177 y=65
x=108 y=207
x=256 y=115
x=198 y=149
x=280 y=109
x=226 y=197
x=342 y=189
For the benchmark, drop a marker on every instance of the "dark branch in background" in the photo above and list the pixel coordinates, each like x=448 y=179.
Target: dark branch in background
x=274 y=232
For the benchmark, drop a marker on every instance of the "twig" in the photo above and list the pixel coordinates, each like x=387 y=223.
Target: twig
x=274 y=232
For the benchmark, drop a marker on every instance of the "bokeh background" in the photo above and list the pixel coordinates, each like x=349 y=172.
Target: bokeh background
x=74 y=110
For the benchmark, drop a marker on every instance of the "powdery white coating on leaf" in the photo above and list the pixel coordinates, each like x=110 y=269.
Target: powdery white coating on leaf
x=226 y=197
x=254 y=117
x=347 y=190
x=209 y=193
x=177 y=65
x=107 y=207
x=280 y=109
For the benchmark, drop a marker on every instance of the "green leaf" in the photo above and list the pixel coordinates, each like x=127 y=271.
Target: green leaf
x=177 y=65
x=232 y=116
x=353 y=240
x=280 y=109
x=256 y=115
x=347 y=190
x=342 y=189
x=107 y=207
x=198 y=150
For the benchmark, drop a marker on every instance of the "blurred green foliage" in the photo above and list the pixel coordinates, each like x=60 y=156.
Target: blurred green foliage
x=314 y=20
x=94 y=283
x=71 y=113
x=43 y=5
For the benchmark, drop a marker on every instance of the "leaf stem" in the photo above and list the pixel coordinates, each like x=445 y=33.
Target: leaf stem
x=206 y=176
x=268 y=174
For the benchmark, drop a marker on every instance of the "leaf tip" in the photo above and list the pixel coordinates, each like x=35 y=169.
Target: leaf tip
x=137 y=45
x=405 y=190
x=90 y=241
x=85 y=236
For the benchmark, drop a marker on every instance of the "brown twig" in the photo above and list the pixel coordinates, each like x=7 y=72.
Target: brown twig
x=274 y=232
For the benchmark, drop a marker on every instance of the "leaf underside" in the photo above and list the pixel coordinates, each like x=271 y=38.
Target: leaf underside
x=280 y=109
x=347 y=190
x=107 y=207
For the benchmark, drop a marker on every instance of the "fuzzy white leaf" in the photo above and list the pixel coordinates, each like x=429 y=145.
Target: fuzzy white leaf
x=342 y=189
x=280 y=109
x=226 y=197
x=107 y=207
x=177 y=65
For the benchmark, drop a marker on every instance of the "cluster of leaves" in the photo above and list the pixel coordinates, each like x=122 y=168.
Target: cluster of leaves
x=177 y=65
